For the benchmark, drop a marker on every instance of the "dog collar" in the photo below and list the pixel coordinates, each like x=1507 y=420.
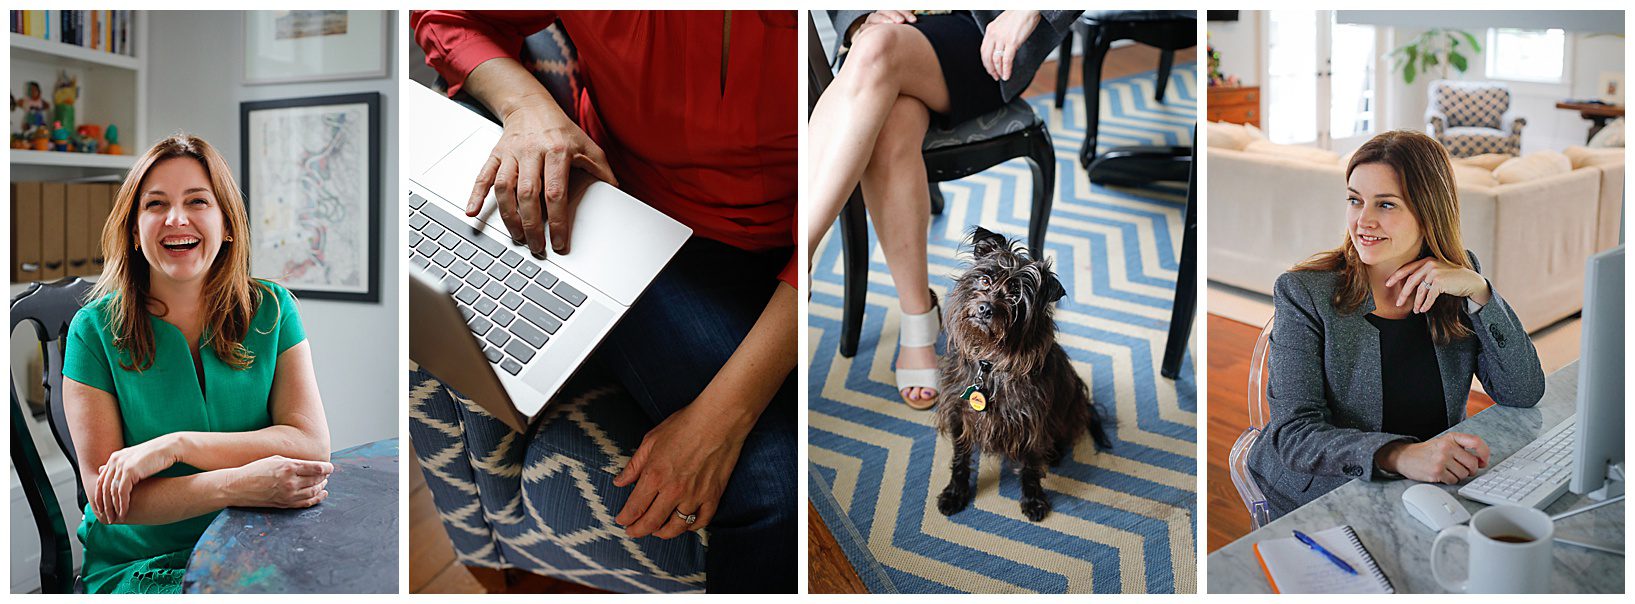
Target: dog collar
x=975 y=394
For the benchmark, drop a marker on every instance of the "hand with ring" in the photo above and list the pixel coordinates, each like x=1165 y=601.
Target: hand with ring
x=1005 y=34
x=679 y=472
x=1427 y=278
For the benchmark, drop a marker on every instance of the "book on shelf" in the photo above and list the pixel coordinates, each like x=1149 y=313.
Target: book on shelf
x=101 y=30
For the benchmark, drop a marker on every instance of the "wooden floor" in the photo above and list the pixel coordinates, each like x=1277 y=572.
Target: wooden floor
x=1230 y=345
x=433 y=568
x=828 y=569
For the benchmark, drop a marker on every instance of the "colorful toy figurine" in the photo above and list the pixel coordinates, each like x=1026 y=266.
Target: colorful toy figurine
x=39 y=139
x=112 y=148
x=67 y=92
x=87 y=138
x=19 y=140
x=36 y=110
x=59 y=138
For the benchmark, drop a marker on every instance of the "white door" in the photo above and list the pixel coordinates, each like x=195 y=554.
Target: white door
x=1322 y=80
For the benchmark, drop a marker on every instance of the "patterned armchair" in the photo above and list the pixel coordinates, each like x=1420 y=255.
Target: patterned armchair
x=544 y=502
x=1473 y=118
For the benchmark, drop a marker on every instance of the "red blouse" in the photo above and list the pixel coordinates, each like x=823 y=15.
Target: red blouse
x=717 y=155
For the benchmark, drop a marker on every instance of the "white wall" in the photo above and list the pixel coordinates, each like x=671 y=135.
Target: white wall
x=195 y=84
x=1240 y=44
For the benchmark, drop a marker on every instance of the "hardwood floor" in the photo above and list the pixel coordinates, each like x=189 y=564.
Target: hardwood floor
x=1230 y=345
x=829 y=571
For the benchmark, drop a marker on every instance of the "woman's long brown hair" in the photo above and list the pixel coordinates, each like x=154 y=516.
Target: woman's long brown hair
x=230 y=295
x=1426 y=177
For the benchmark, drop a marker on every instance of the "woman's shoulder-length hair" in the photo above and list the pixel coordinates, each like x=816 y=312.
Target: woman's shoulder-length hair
x=230 y=296
x=1425 y=175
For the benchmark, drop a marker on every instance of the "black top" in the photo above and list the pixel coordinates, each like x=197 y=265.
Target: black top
x=1410 y=378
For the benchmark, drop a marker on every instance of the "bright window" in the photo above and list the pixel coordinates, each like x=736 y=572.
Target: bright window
x=1530 y=55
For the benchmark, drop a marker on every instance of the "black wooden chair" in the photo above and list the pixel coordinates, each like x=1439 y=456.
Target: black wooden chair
x=48 y=307
x=1169 y=31
x=973 y=146
x=1186 y=280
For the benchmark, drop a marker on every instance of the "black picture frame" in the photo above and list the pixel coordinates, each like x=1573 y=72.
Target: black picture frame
x=370 y=293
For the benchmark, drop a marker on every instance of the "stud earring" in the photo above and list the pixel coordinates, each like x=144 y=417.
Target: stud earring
x=136 y=246
x=228 y=239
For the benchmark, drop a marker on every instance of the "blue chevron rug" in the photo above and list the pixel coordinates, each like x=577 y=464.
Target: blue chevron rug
x=1124 y=520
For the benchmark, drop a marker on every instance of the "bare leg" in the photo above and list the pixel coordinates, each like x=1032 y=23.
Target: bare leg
x=895 y=189
x=885 y=62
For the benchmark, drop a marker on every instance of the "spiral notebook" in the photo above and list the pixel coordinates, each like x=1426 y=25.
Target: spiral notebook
x=1293 y=568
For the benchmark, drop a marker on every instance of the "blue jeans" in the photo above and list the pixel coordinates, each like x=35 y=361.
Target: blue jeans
x=667 y=348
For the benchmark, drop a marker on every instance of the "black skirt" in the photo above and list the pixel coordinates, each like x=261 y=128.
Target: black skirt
x=957 y=40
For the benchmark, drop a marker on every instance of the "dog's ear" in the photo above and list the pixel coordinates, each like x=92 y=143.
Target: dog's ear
x=984 y=242
x=1051 y=290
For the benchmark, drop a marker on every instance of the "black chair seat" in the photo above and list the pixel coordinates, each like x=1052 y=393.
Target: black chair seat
x=1014 y=117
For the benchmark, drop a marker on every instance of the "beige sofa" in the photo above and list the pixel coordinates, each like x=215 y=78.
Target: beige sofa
x=1269 y=210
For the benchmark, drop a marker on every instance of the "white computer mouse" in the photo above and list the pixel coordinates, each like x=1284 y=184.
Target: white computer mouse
x=1434 y=507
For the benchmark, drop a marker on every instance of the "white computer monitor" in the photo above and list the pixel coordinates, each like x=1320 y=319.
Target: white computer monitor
x=1600 y=442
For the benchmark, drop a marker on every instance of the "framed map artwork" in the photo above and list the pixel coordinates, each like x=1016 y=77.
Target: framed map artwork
x=311 y=177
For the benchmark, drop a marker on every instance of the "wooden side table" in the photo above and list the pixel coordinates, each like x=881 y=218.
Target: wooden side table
x=1234 y=104
x=1597 y=114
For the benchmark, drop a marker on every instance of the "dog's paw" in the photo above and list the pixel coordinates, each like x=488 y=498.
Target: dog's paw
x=1035 y=508
x=953 y=500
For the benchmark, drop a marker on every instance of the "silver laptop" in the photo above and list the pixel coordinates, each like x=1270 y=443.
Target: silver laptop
x=485 y=316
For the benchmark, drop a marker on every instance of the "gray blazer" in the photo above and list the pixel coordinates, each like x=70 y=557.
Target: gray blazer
x=1325 y=395
x=1039 y=44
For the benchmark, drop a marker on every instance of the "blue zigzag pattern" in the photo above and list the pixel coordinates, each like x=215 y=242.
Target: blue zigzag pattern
x=1124 y=520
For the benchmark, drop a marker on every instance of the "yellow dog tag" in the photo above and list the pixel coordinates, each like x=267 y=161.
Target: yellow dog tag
x=978 y=401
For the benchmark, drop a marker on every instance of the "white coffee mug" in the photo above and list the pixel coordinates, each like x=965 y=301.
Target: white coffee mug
x=1509 y=551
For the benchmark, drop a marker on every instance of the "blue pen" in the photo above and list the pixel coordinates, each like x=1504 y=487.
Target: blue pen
x=1312 y=543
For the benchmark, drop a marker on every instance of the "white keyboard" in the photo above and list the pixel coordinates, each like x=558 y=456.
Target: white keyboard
x=1535 y=476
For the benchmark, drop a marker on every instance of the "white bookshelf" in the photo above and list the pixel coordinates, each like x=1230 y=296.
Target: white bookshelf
x=38 y=49
x=94 y=161
x=113 y=90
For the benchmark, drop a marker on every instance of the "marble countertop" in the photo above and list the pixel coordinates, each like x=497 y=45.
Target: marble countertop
x=1402 y=545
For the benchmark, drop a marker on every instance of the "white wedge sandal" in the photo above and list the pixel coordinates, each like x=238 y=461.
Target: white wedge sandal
x=916 y=331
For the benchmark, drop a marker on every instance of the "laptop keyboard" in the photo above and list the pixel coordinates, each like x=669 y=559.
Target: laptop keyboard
x=508 y=301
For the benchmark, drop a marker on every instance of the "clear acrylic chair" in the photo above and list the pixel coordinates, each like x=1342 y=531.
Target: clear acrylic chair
x=1238 y=460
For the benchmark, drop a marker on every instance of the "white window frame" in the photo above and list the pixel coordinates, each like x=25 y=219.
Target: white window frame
x=1488 y=57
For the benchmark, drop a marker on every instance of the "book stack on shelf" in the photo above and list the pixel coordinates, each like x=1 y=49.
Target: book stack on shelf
x=103 y=30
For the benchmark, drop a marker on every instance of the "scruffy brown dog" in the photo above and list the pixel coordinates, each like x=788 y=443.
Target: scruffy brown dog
x=1007 y=387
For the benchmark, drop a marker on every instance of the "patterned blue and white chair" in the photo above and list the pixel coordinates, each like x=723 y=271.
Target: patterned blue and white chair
x=1473 y=118
x=544 y=502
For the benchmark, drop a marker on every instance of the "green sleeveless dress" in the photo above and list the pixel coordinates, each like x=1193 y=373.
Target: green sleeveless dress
x=166 y=398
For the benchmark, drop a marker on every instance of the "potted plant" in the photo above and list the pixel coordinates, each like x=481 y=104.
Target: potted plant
x=1435 y=50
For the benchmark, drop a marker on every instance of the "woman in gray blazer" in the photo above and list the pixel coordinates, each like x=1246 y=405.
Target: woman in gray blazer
x=1374 y=343
x=904 y=69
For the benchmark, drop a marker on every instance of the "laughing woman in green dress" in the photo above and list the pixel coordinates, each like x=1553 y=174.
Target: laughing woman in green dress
x=188 y=384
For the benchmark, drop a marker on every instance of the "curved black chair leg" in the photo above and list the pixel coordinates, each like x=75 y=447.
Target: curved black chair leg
x=854 y=250
x=936 y=199
x=1064 y=66
x=1166 y=61
x=1096 y=44
x=1042 y=160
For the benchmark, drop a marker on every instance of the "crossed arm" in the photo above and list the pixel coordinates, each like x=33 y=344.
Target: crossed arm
x=283 y=465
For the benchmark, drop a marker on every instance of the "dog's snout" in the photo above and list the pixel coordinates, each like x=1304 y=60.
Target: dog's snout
x=984 y=310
